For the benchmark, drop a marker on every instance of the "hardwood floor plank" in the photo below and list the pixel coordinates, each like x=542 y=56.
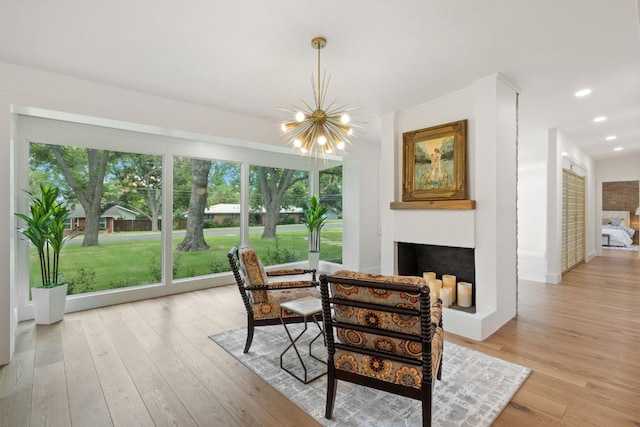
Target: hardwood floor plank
x=48 y=345
x=87 y=403
x=195 y=396
x=15 y=409
x=125 y=404
x=17 y=376
x=25 y=336
x=163 y=404
x=49 y=403
x=282 y=410
x=540 y=402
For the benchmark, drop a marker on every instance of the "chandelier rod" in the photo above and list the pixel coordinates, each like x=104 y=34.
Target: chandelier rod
x=318 y=43
x=318 y=76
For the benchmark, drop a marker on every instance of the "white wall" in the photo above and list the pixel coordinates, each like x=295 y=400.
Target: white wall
x=33 y=91
x=489 y=107
x=532 y=206
x=361 y=221
x=559 y=146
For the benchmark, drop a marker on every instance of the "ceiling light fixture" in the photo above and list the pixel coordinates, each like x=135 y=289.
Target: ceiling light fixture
x=318 y=131
x=600 y=119
x=611 y=138
x=582 y=92
x=618 y=149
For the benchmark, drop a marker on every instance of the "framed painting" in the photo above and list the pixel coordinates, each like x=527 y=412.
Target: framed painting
x=434 y=163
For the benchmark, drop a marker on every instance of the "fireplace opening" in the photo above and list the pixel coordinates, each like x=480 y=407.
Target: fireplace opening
x=415 y=259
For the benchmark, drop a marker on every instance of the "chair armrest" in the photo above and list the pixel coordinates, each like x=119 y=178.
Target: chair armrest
x=290 y=272
x=283 y=285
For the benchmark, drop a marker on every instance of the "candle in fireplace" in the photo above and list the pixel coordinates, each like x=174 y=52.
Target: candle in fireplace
x=445 y=296
x=428 y=276
x=435 y=286
x=465 y=292
x=449 y=281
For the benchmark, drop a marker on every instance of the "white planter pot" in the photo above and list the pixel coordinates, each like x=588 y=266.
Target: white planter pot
x=314 y=260
x=48 y=304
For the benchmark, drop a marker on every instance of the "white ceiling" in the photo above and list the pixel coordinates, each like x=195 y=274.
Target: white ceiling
x=249 y=56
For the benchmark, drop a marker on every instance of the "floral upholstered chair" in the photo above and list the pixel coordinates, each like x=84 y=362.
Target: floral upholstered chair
x=382 y=332
x=262 y=297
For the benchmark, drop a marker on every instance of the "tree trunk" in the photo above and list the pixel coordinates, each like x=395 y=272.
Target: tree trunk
x=272 y=213
x=273 y=186
x=154 y=201
x=91 y=225
x=89 y=195
x=194 y=237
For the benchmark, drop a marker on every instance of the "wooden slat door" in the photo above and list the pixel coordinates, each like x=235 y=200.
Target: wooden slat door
x=573 y=219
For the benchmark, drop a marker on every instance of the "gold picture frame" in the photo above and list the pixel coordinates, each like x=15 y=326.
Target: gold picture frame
x=434 y=163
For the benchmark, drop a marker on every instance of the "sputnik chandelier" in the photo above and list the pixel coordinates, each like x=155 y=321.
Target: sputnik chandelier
x=318 y=131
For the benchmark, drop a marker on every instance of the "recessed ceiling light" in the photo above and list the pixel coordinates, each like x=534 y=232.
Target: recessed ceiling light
x=611 y=137
x=618 y=149
x=583 y=92
x=600 y=119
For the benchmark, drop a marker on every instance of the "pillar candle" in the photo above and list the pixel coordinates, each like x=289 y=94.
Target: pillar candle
x=435 y=286
x=449 y=281
x=465 y=291
x=445 y=296
x=429 y=276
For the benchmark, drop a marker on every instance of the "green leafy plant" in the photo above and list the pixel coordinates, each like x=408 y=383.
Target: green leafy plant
x=279 y=255
x=45 y=230
x=83 y=282
x=316 y=218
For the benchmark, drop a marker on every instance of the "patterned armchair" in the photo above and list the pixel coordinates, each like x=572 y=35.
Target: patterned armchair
x=389 y=335
x=261 y=297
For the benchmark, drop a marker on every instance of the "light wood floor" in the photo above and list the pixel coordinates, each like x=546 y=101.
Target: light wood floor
x=151 y=363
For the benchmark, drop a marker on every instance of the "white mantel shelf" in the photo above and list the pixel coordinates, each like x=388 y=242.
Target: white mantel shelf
x=436 y=204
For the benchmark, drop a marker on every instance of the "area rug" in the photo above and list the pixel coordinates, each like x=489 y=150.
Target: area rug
x=474 y=389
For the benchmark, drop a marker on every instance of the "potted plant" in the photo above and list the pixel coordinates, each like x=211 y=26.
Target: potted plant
x=45 y=230
x=316 y=217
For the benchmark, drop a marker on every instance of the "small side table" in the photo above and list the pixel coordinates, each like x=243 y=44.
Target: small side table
x=305 y=307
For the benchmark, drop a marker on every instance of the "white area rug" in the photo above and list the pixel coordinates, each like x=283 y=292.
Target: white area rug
x=474 y=389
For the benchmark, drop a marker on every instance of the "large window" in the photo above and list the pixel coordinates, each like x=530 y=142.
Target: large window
x=331 y=197
x=277 y=198
x=106 y=192
x=155 y=214
x=206 y=215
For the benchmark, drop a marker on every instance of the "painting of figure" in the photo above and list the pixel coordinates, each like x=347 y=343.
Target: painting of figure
x=435 y=163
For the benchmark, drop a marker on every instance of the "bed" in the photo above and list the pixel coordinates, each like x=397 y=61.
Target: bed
x=616 y=230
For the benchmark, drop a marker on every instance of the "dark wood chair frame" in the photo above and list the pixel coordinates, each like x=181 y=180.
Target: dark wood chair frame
x=234 y=262
x=424 y=394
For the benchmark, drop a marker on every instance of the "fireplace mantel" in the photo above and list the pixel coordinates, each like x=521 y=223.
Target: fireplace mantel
x=436 y=204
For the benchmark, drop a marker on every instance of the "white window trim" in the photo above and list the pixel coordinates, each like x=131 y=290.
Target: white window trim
x=51 y=127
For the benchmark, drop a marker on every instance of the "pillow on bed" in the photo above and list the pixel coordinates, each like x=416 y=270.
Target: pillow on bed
x=605 y=221
x=616 y=222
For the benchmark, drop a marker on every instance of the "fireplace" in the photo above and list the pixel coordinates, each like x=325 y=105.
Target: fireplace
x=414 y=259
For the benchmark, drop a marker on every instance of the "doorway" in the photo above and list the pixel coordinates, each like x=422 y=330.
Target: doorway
x=573 y=217
x=622 y=196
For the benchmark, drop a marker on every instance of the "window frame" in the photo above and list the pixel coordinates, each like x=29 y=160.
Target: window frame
x=59 y=128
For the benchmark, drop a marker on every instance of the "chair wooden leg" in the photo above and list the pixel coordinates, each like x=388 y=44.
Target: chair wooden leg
x=250 y=328
x=439 y=373
x=426 y=411
x=331 y=393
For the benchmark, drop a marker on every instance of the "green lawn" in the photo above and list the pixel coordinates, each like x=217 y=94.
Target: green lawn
x=125 y=263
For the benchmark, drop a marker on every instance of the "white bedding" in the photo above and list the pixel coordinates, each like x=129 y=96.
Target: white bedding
x=617 y=237
x=615 y=224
